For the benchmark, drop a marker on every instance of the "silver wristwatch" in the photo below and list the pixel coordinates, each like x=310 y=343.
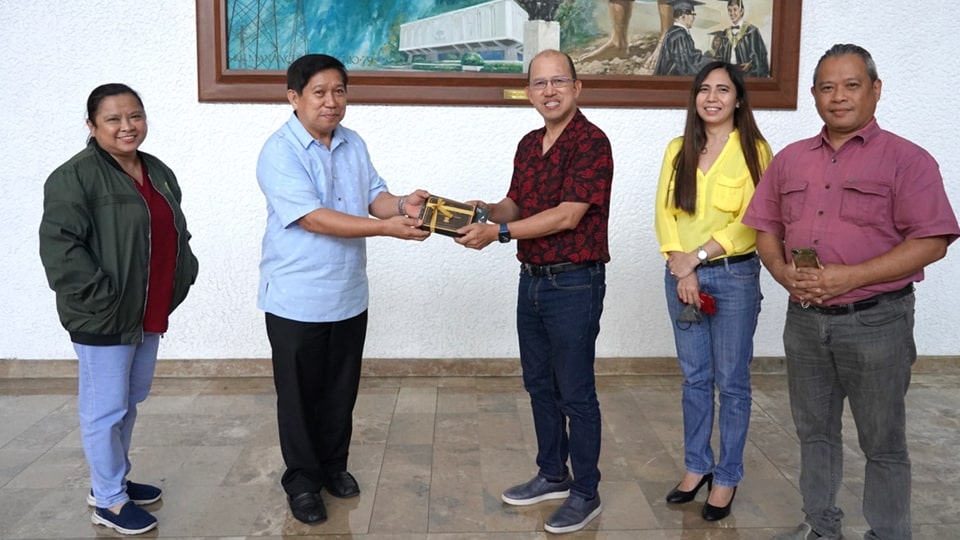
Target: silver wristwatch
x=702 y=254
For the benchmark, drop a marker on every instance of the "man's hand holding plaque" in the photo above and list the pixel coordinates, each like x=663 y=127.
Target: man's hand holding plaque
x=480 y=235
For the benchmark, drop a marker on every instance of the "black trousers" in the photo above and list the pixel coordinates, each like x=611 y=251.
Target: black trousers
x=316 y=372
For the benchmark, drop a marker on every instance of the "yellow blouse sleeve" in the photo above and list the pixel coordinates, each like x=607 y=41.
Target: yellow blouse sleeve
x=665 y=221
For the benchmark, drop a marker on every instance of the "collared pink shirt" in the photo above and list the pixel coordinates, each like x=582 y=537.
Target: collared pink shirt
x=855 y=203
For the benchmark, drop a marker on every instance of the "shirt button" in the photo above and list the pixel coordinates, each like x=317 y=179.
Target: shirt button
x=834 y=160
x=820 y=213
x=827 y=186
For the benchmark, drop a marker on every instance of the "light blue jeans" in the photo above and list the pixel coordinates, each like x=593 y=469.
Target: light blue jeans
x=113 y=380
x=717 y=352
x=865 y=358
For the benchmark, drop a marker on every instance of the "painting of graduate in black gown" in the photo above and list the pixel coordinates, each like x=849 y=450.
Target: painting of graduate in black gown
x=742 y=43
x=719 y=45
x=671 y=37
x=678 y=53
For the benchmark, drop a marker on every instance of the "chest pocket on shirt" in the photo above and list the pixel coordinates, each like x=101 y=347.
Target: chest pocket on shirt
x=728 y=193
x=793 y=195
x=865 y=202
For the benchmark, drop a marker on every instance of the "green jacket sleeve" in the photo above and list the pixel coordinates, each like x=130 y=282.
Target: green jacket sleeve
x=65 y=229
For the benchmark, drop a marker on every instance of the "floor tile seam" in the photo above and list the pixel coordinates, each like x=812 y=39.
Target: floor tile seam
x=433 y=457
x=791 y=434
x=770 y=460
x=31 y=464
x=376 y=490
x=656 y=433
x=387 y=446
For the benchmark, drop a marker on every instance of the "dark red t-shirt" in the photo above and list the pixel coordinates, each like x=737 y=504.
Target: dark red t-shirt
x=577 y=168
x=163 y=257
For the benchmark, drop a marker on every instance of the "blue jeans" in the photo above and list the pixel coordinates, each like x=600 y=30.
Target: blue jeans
x=558 y=319
x=866 y=358
x=717 y=352
x=112 y=381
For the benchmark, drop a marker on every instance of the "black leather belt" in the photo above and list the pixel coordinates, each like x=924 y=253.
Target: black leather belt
x=732 y=260
x=845 y=309
x=540 y=270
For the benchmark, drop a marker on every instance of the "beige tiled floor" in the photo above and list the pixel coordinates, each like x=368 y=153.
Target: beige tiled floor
x=432 y=455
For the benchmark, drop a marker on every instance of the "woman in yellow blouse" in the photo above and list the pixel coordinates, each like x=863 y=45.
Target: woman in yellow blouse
x=706 y=182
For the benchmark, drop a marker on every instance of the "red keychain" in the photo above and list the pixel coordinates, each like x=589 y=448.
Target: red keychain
x=708 y=304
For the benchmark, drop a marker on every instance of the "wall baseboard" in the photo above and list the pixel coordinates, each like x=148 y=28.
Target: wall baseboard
x=417 y=367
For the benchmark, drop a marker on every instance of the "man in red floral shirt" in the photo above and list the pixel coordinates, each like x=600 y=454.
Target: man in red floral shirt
x=557 y=210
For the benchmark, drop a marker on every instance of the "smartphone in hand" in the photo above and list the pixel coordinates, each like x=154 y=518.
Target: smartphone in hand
x=805 y=258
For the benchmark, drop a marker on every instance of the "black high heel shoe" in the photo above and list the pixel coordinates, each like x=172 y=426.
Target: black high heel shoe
x=716 y=513
x=677 y=497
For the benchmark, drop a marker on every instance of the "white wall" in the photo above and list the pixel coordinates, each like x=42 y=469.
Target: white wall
x=428 y=300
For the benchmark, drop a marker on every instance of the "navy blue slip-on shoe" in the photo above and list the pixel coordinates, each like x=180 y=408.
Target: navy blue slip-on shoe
x=140 y=494
x=536 y=490
x=131 y=520
x=573 y=515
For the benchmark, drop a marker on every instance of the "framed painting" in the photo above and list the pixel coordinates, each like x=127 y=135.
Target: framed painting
x=629 y=53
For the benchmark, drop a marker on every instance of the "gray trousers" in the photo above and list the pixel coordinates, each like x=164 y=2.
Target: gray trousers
x=866 y=358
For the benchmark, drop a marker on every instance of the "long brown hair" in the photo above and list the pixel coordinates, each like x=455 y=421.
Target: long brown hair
x=695 y=138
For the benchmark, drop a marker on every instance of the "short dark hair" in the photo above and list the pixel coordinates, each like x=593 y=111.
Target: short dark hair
x=843 y=49
x=573 y=69
x=304 y=68
x=104 y=91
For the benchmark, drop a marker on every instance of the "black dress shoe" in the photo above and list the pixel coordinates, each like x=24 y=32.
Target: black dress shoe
x=716 y=513
x=342 y=484
x=677 y=497
x=307 y=507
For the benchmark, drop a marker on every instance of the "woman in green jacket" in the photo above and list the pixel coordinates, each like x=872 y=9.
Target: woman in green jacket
x=115 y=248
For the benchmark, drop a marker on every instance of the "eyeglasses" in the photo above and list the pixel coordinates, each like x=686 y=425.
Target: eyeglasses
x=556 y=82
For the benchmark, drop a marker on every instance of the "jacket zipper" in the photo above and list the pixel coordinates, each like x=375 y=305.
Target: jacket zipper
x=146 y=292
x=176 y=261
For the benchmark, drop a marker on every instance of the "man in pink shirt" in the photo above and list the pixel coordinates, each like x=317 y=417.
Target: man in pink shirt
x=873 y=206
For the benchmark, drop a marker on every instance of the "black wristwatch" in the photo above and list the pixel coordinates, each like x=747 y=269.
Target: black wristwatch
x=504 y=236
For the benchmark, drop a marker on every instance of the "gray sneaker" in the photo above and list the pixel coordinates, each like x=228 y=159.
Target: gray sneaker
x=804 y=531
x=536 y=490
x=573 y=515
